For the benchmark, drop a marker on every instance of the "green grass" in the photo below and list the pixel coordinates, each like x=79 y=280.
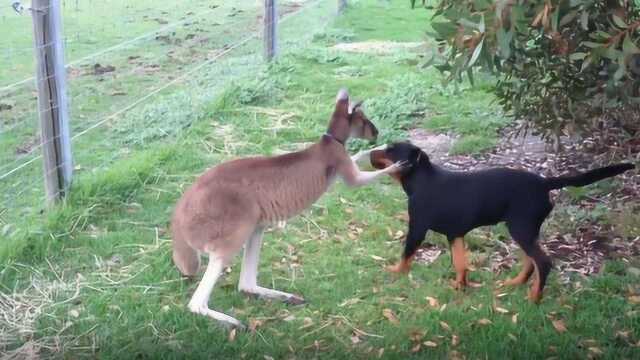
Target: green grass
x=110 y=241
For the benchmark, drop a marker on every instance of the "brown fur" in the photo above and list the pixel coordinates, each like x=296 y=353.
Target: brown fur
x=225 y=205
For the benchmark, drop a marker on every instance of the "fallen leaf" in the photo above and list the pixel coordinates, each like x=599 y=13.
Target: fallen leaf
x=416 y=348
x=589 y=343
x=484 y=322
x=377 y=258
x=399 y=234
x=514 y=318
x=232 y=335
x=512 y=337
x=254 y=324
x=594 y=351
x=622 y=334
x=74 y=313
x=559 y=326
x=455 y=340
x=455 y=355
x=501 y=310
x=355 y=339
x=445 y=326
x=349 y=302
x=380 y=352
x=289 y=318
x=430 y=344
x=635 y=299
x=391 y=316
x=416 y=335
x=433 y=302
x=306 y=322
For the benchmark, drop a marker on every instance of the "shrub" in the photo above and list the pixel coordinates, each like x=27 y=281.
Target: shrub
x=561 y=64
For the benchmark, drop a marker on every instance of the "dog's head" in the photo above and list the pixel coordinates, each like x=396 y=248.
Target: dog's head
x=398 y=152
x=350 y=121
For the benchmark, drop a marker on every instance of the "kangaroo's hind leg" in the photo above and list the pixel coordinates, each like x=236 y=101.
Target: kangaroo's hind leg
x=221 y=249
x=248 y=282
x=199 y=303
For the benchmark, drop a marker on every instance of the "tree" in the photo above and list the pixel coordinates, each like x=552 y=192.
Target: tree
x=561 y=64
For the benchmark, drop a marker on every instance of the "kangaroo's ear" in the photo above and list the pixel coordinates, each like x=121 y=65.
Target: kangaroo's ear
x=354 y=106
x=342 y=102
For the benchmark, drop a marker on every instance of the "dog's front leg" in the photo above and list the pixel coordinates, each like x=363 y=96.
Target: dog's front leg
x=248 y=282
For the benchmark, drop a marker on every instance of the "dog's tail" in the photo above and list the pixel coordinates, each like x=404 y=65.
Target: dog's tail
x=587 y=178
x=185 y=257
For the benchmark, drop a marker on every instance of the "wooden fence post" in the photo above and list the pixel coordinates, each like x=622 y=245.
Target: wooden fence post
x=52 y=97
x=342 y=4
x=269 y=33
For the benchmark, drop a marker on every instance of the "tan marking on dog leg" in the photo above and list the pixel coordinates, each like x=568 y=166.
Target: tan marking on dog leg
x=534 y=292
x=401 y=267
x=525 y=273
x=459 y=256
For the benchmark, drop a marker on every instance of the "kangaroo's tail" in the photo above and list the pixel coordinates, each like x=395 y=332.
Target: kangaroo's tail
x=185 y=257
x=588 y=177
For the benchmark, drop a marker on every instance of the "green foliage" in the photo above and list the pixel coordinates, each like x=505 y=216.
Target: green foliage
x=395 y=111
x=561 y=63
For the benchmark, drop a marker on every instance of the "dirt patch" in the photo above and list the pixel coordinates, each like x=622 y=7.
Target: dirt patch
x=378 y=47
x=100 y=69
x=435 y=145
x=27 y=146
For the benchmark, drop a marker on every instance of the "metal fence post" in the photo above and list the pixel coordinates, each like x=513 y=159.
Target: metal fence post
x=52 y=97
x=269 y=34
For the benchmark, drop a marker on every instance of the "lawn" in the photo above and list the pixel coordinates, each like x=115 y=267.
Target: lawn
x=94 y=278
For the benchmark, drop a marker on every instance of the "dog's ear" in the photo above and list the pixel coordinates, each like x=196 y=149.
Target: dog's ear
x=342 y=102
x=417 y=156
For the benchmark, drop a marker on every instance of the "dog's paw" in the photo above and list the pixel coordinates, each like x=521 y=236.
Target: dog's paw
x=458 y=285
x=398 y=268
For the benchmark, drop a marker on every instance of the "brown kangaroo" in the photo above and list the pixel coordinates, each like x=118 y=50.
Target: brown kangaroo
x=230 y=205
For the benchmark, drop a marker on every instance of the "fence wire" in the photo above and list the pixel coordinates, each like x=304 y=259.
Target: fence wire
x=189 y=59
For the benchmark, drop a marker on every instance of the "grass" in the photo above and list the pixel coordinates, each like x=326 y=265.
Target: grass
x=94 y=278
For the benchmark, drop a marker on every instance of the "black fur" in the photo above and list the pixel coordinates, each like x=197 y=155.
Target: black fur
x=453 y=203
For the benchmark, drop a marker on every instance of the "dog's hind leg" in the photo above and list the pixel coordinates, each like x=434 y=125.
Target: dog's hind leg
x=199 y=303
x=526 y=235
x=543 y=265
x=248 y=282
x=524 y=275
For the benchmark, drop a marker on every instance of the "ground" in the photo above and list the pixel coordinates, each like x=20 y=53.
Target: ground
x=94 y=277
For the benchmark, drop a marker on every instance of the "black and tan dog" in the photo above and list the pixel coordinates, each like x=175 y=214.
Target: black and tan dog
x=454 y=203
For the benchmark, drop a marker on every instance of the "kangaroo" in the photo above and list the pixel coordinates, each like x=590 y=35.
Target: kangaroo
x=230 y=205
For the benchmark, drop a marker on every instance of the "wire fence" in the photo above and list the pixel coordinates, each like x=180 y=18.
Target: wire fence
x=130 y=65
